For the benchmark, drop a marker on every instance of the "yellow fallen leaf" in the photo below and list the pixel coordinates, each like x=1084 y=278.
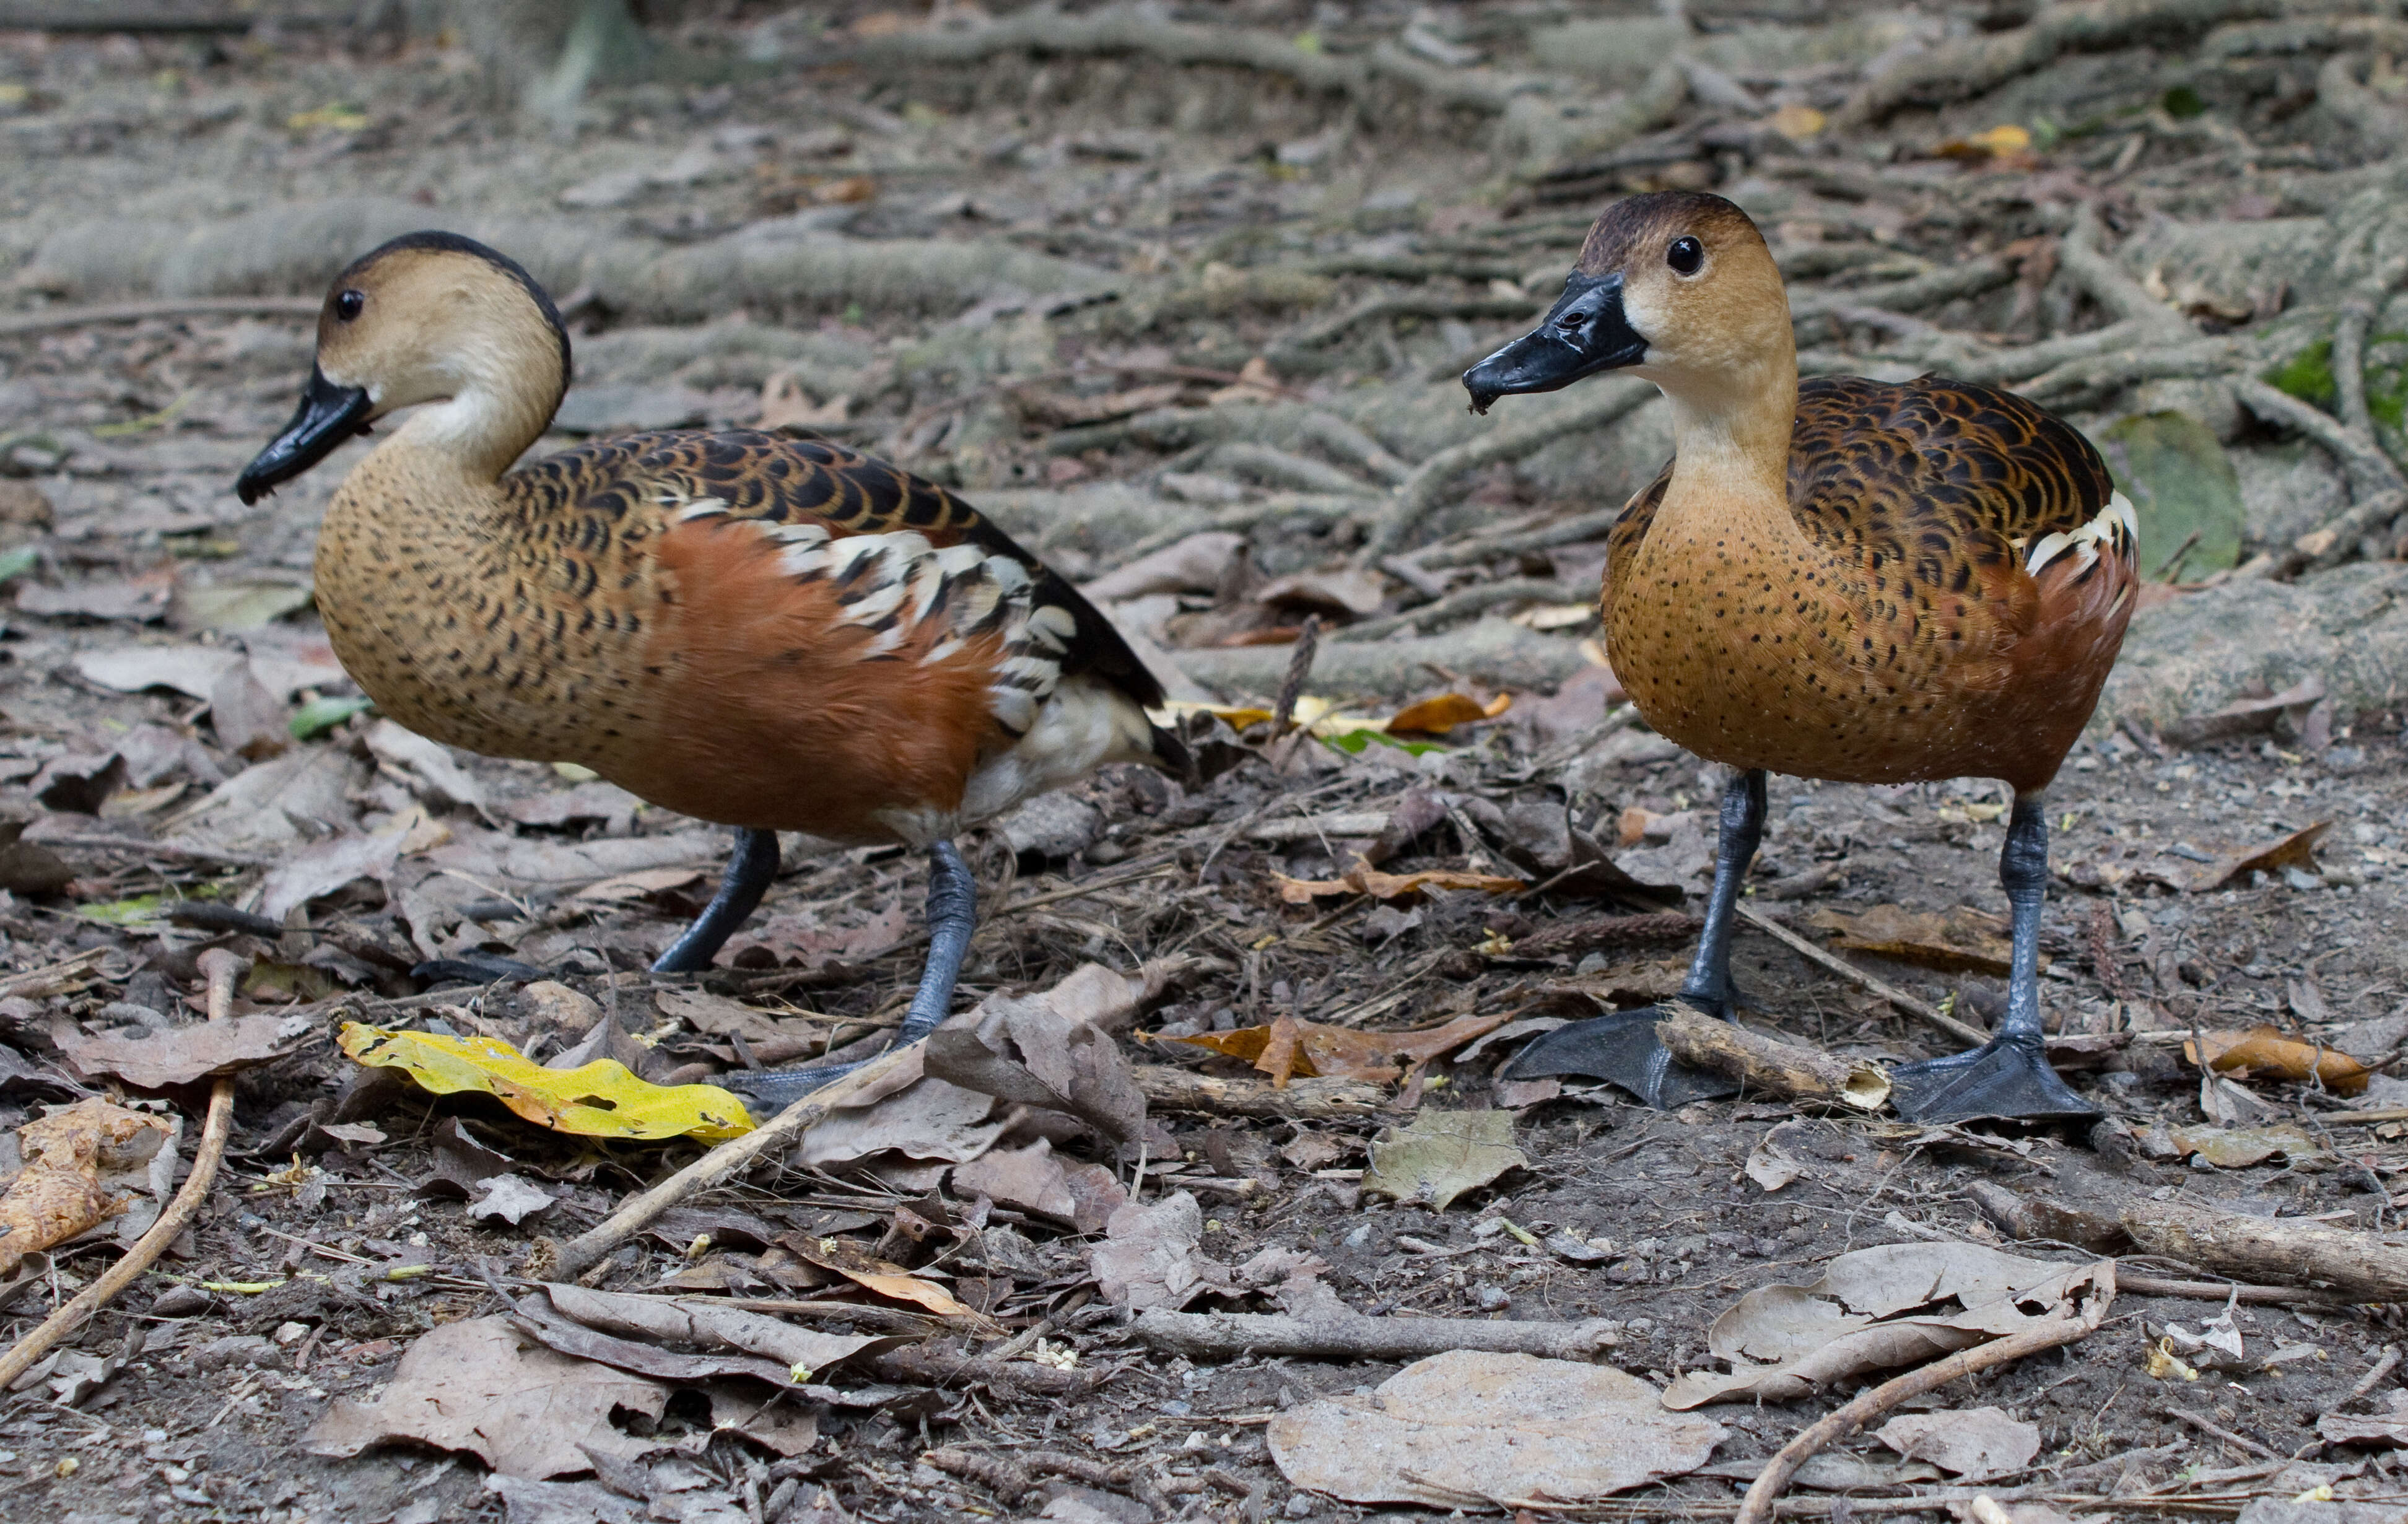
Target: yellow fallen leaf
x=600 y=1100
x=2007 y=141
x=2264 y=1050
x=1796 y=123
x=1438 y=715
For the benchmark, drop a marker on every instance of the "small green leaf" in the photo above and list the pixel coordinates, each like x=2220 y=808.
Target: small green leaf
x=138 y=911
x=2182 y=102
x=319 y=716
x=19 y=561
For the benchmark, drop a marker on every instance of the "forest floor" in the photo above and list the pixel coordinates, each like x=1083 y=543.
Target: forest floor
x=1189 y=328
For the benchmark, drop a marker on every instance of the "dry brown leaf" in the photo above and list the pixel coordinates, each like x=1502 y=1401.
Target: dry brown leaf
x=707 y=1325
x=1480 y=1431
x=1326 y=1051
x=2296 y=850
x=2239 y=1147
x=152 y=1060
x=1960 y=941
x=1438 y=715
x=1442 y=1155
x=59 y=1194
x=477 y=1386
x=2265 y=1051
x=1977 y=1443
x=1149 y=1256
x=1028 y=1050
x=890 y=1280
x=1283 y=1049
x=1784 y=1342
x=1365 y=879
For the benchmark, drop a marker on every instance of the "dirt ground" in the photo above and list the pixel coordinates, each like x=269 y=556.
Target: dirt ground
x=1138 y=243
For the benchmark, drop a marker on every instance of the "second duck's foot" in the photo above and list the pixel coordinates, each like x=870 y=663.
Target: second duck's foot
x=1623 y=1048
x=2007 y=1077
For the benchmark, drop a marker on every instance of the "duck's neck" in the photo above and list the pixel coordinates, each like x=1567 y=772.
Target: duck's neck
x=1731 y=434
x=474 y=435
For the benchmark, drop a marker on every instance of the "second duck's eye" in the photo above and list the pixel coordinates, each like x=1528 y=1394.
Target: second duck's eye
x=1686 y=256
x=348 y=304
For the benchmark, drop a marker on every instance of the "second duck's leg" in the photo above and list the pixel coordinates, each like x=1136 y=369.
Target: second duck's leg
x=953 y=915
x=741 y=888
x=1623 y=1047
x=2010 y=1074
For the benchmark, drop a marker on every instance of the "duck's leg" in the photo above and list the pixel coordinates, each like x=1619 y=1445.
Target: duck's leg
x=953 y=915
x=1623 y=1047
x=2009 y=1076
x=741 y=888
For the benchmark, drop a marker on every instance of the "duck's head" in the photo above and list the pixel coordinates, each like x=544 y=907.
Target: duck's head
x=428 y=317
x=1677 y=287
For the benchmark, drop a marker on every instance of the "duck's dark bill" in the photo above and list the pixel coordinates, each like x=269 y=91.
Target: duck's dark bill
x=1586 y=332
x=328 y=415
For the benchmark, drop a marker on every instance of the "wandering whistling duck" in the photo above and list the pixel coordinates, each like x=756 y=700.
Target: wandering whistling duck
x=774 y=633
x=1840 y=580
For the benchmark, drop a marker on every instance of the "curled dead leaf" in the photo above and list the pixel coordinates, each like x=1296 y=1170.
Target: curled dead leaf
x=1324 y=1051
x=1438 y=715
x=59 y=1193
x=2264 y=1051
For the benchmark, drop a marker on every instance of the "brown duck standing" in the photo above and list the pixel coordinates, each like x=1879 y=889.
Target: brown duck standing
x=1841 y=580
x=773 y=634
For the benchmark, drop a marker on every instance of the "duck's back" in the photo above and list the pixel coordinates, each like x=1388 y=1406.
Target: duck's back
x=1913 y=643
x=740 y=626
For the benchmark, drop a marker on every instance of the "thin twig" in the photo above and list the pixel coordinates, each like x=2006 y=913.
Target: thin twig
x=1757 y=1506
x=723 y=1161
x=2374 y=1377
x=2206 y=1427
x=224 y=970
x=1899 y=998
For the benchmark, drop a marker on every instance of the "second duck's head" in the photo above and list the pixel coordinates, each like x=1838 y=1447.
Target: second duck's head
x=430 y=318
x=1677 y=287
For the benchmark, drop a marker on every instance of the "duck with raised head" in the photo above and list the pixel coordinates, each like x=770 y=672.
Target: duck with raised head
x=768 y=633
x=1840 y=580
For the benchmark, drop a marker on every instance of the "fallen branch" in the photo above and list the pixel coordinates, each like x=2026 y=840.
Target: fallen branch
x=1226 y=1335
x=1966 y=67
x=1768 y=1067
x=1850 y=972
x=1170 y=1088
x=722 y=1162
x=198 y=306
x=2108 y=284
x=224 y=970
x=2369 y=469
x=2358 y=1266
x=1757 y=1506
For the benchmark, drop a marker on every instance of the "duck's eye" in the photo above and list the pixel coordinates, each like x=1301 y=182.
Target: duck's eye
x=1686 y=256
x=348 y=305
x=1572 y=321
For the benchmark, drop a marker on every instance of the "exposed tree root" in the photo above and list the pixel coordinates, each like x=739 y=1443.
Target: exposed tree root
x=298 y=248
x=1490 y=651
x=1966 y=67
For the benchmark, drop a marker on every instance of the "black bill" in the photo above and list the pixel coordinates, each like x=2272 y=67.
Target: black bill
x=328 y=415
x=1586 y=332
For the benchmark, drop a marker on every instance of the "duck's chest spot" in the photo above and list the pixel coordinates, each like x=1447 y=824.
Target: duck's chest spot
x=534 y=649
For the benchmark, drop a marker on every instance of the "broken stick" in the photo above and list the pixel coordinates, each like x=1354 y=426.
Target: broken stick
x=224 y=970
x=2359 y=1266
x=1775 y=1068
x=1757 y=1506
x=1353 y=1336
x=1169 y=1088
x=1857 y=977
x=723 y=1161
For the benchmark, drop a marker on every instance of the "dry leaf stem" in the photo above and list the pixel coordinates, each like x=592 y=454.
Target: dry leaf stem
x=721 y=1163
x=1857 y=977
x=224 y=970
x=1759 y=1505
